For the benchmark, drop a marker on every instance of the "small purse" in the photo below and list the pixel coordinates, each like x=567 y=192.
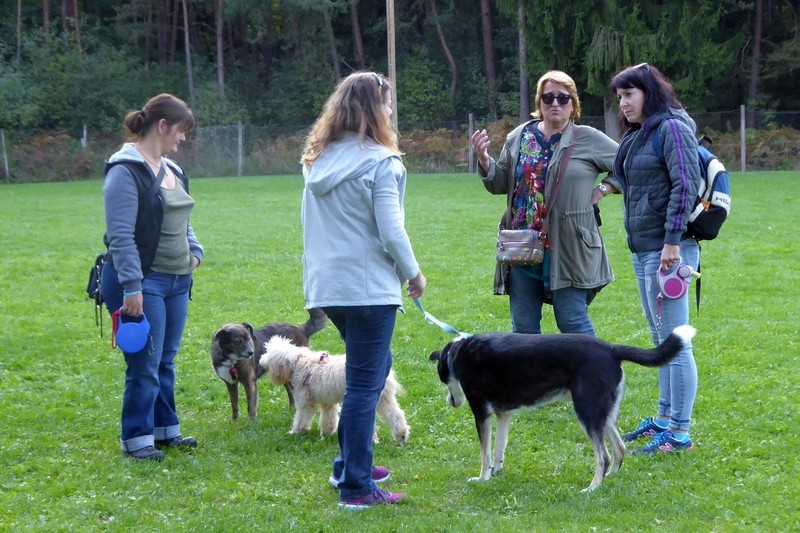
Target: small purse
x=520 y=247
x=526 y=246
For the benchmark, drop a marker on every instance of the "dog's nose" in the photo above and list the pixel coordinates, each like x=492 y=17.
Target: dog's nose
x=248 y=354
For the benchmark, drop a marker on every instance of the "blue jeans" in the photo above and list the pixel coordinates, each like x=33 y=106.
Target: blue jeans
x=148 y=403
x=367 y=334
x=677 y=382
x=526 y=297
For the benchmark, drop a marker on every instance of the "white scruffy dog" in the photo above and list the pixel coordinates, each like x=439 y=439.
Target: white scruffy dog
x=319 y=380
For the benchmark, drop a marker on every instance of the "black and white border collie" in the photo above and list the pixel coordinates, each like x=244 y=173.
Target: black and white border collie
x=504 y=373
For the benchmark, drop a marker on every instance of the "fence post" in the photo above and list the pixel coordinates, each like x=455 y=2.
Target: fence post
x=469 y=143
x=83 y=138
x=743 y=137
x=5 y=154
x=240 y=150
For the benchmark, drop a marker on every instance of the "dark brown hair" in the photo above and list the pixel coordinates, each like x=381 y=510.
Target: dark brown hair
x=164 y=106
x=659 y=96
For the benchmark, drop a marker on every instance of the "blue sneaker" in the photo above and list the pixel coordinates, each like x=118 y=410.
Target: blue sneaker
x=665 y=442
x=379 y=474
x=647 y=428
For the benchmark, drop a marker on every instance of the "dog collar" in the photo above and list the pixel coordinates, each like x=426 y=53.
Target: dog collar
x=323 y=358
x=450 y=367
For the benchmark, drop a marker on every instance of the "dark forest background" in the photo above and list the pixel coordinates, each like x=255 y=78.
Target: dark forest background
x=67 y=62
x=272 y=63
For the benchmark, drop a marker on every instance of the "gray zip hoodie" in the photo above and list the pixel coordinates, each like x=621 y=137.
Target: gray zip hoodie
x=355 y=247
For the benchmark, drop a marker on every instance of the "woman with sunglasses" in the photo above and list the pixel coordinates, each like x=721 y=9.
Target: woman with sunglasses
x=659 y=188
x=356 y=257
x=575 y=265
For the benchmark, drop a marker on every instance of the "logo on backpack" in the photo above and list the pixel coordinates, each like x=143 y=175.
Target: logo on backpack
x=713 y=204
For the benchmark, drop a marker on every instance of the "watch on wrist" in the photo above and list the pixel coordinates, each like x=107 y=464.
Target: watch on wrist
x=604 y=189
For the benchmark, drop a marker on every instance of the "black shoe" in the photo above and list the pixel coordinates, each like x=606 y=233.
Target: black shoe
x=177 y=442
x=148 y=452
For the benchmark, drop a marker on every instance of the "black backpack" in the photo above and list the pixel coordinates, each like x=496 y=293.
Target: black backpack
x=93 y=289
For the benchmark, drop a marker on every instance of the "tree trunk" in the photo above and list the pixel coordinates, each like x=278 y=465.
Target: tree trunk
x=445 y=48
x=755 y=63
x=70 y=21
x=148 y=35
x=162 y=23
x=76 y=24
x=19 y=31
x=189 y=71
x=488 y=58
x=524 y=91
x=337 y=71
x=391 y=57
x=46 y=16
x=358 y=45
x=173 y=35
x=219 y=8
x=611 y=118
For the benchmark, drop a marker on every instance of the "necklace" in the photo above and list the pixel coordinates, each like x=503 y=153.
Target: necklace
x=155 y=165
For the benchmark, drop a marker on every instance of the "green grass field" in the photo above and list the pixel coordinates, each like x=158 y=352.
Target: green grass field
x=61 y=384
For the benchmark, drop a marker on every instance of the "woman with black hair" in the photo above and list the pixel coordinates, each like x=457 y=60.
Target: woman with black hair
x=659 y=188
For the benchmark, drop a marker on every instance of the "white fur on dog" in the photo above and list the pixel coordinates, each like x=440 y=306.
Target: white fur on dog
x=319 y=382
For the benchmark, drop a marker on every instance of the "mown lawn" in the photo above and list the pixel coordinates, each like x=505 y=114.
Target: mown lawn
x=61 y=384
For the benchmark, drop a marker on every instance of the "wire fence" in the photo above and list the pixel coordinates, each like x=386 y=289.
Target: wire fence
x=770 y=141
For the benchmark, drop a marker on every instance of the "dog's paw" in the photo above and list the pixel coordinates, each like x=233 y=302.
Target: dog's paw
x=480 y=478
x=590 y=488
x=401 y=437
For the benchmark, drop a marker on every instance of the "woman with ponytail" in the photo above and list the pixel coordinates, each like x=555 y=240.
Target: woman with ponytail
x=152 y=252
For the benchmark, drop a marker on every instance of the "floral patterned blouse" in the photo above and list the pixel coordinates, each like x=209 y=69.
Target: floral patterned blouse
x=527 y=203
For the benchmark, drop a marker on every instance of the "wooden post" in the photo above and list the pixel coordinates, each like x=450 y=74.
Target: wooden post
x=471 y=165
x=240 y=149
x=5 y=154
x=743 y=137
x=390 y=34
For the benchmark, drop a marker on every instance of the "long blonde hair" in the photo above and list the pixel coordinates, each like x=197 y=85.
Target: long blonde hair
x=357 y=105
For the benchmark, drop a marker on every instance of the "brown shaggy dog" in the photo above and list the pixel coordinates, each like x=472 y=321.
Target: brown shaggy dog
x=235 y=349
x=318 y=381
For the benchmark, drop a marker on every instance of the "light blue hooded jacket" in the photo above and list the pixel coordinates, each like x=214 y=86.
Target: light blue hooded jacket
x=355 y=247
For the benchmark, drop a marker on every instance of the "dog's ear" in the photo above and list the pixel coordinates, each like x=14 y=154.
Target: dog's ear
x=222 y=336
x=248 y=327
x=439 y=354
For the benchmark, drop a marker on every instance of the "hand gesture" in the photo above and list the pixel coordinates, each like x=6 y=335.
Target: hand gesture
x=480 y=145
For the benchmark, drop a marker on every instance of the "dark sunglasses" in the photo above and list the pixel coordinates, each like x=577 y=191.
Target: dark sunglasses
x=642 y=65
x=563 y=99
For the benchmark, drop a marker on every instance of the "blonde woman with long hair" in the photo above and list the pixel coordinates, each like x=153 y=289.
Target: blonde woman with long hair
x=575 y=266
x=356 y=258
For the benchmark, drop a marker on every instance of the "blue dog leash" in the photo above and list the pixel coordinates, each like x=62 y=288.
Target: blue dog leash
x=444 y=326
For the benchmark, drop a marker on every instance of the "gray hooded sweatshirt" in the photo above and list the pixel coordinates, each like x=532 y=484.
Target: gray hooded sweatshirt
x=355 y=247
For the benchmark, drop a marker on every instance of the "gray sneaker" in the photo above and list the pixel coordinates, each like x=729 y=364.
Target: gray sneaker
x=148 y=452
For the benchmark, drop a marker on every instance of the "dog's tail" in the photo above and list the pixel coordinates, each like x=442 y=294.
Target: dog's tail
x=660 y=355
x=317 y=320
